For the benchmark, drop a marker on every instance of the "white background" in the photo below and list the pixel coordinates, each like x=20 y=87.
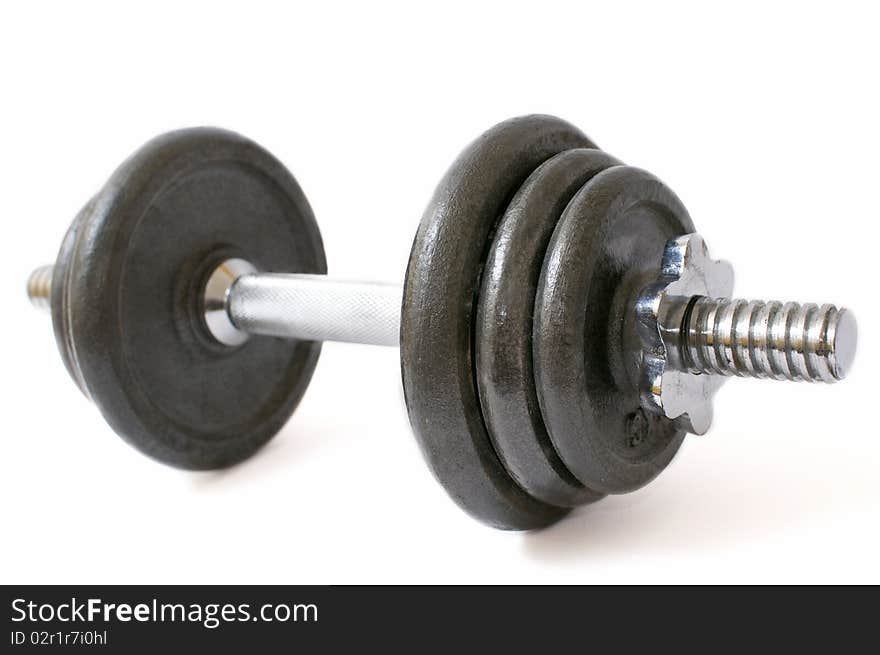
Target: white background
x=764 y=119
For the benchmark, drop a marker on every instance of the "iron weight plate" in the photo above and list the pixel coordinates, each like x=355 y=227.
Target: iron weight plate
x=606 y=247
x=127 y=300
x=504 y=327
x=442 y=281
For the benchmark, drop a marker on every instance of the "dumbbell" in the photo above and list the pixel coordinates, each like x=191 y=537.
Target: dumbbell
x=561 y=326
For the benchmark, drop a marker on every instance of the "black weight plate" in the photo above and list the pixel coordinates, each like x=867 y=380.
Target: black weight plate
x=127 y=297
x=442 y=281
x=504 y=327
x=606 y=247
x=59 y=297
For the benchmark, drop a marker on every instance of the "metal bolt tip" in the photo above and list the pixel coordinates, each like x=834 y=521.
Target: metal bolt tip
x=39 y=287
x=843 y=342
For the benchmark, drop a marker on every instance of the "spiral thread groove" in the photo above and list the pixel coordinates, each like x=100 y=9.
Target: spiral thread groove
x=781 y=341
x=39 y=287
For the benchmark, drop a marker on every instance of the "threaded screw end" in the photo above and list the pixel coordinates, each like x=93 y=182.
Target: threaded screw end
x=39 y=287
x=781 y=341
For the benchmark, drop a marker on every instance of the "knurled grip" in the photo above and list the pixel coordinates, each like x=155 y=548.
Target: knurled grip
x=316 y=308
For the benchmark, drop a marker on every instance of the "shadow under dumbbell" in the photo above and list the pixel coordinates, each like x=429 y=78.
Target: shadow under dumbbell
x=702 y=508
x=275 y=458
x=338 y=417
